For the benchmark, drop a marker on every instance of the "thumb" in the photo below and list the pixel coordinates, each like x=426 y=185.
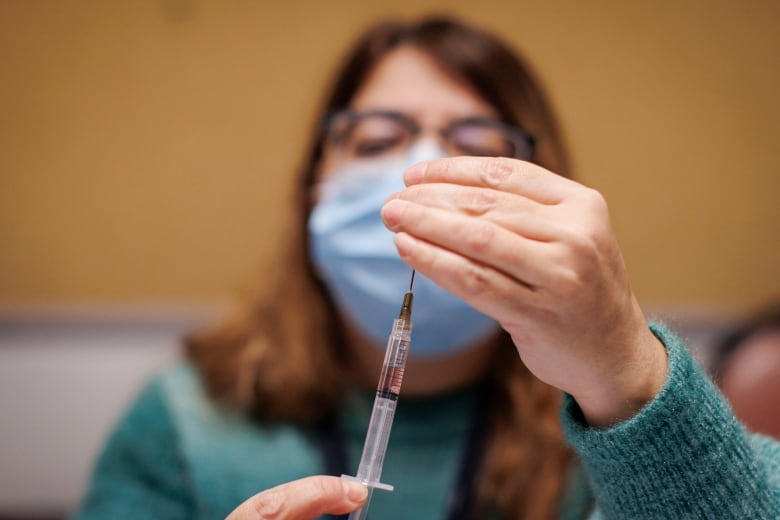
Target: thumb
x=303 y=499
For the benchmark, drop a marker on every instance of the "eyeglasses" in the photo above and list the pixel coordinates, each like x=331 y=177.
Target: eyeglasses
x=379 y=133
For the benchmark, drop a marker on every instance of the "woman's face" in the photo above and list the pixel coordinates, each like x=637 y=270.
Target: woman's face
x=407 y=98
x=410 y=82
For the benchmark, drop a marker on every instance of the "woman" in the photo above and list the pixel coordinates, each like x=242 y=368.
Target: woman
x=530 y=267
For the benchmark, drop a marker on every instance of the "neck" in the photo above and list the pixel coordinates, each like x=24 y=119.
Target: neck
x=422 y=376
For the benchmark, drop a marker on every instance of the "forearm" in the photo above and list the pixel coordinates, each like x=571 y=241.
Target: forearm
x=683 y=455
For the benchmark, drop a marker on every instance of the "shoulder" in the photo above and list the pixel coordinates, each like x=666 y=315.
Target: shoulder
x=230 y=457
x=158 y=407
x=141 y=465
x=178 y=399
x=180 y=394
x=182 y=453
x=149 y=413
x=150 y=427
x=205 y=428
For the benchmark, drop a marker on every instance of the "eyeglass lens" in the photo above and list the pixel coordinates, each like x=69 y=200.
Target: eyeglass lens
x=381 y=134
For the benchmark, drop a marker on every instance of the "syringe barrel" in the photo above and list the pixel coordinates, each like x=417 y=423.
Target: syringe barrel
x=370 y=469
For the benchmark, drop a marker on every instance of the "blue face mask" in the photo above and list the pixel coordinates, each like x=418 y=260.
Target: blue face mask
x=356 y=258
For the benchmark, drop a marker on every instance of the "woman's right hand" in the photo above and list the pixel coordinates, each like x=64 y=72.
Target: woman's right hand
x=303 y=499
x=536 y=252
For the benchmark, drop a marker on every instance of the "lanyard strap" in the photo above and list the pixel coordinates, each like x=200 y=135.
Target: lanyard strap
x=463 y=498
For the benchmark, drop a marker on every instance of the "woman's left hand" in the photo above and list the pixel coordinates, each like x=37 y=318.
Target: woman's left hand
x=535 y=251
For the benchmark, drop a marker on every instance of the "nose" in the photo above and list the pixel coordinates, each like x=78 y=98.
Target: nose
x=434 y=139
x=426 y=148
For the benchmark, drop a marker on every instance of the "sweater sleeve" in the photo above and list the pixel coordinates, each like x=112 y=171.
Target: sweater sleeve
x=140 y=473
x=684 y=455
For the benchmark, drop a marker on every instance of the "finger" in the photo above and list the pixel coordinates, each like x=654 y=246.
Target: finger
x=476 y=238
x=489 y=291
x=499 y=173
x=303 y=499
x=513 y=212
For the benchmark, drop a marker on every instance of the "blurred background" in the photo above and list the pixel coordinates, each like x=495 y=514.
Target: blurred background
x=148 y=149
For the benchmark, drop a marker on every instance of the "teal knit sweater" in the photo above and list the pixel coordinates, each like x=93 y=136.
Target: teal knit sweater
x=176 y=455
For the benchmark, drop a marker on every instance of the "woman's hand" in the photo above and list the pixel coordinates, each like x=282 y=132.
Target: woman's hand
x=303 y=499
x=536 y=251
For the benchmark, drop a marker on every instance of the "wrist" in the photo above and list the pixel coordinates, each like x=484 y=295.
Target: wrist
x=635 y=382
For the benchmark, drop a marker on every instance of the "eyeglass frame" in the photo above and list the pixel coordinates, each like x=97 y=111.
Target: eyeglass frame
x=515 y=135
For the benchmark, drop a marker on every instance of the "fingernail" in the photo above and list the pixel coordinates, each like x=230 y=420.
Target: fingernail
x=391 y=212
x=414 y=175
x=355 y=492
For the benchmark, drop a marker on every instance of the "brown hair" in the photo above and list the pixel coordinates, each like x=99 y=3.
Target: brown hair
x=281 y=357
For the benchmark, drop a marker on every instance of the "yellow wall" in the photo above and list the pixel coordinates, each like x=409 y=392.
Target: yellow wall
x=146 y=147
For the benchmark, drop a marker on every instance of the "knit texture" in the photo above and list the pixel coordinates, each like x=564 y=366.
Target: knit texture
x=683 y=456
x=176 y=455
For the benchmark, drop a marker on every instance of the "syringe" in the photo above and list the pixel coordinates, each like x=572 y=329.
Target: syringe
x=370 y=468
